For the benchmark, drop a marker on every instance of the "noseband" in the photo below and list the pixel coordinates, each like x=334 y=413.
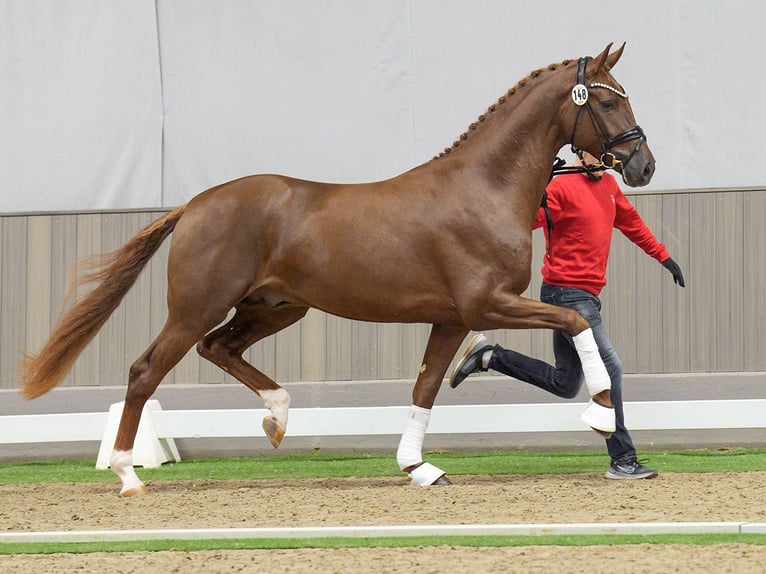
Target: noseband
x=580 y=97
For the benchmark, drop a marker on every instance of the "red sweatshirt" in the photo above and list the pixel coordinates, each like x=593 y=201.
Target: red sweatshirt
x=584 y=213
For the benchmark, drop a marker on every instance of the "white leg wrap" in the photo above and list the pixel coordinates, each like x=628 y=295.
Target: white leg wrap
x=121 y=462
x=410 y=449
x=278 y=402
x=596 y=376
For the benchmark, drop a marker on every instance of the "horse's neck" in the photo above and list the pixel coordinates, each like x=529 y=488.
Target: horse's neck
x=509 y=155
x=521 y=141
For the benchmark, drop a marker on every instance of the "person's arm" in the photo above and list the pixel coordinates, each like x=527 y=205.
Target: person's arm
x=629 y=222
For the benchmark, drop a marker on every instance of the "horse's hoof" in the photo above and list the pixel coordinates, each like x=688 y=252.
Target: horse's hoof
x=599 y=417
x=139 y=490
x=426 y=474
x=442 y=481
x=273 y=430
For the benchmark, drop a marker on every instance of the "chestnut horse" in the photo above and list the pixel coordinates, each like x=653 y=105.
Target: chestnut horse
x=446 y=243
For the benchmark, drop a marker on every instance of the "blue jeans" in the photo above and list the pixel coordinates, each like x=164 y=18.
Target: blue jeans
x=565 y=379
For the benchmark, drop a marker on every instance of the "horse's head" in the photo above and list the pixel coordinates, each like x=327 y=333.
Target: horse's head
x=608 y=128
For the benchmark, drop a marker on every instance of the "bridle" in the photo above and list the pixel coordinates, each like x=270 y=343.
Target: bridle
x=607 y=160
x=580 y=97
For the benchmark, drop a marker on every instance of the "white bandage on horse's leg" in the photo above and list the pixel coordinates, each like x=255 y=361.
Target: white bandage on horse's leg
x=121 y=462
x=410 y=451
x=596 y=377
x=278 y=402
x=409 y=455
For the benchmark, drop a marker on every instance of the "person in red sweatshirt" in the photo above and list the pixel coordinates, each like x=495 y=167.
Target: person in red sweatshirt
x=583 y=208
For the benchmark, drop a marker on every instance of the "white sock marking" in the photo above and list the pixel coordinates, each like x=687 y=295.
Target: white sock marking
x=278 y=402
x=121 y=462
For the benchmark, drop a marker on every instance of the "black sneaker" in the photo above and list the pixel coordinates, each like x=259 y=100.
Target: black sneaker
x=470 y=362
x=629 y=469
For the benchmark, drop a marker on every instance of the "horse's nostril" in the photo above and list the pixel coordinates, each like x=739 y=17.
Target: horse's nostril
x=648 y=170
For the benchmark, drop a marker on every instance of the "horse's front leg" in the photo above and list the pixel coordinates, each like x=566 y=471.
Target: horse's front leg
x=443 y=343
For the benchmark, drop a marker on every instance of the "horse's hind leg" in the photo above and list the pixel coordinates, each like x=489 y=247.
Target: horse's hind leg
x=224 y=348
x=443 y=343
x=146 y=373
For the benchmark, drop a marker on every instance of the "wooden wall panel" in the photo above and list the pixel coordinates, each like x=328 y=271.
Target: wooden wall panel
x=702 y=284
x=675 y=302
x=727 y=274
x=13 y=297
x=339 y=352
x=753 y=281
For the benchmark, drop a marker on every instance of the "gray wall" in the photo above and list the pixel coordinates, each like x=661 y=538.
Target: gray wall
x=711 y=326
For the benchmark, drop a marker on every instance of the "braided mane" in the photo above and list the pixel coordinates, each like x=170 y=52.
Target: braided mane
x=492 y=108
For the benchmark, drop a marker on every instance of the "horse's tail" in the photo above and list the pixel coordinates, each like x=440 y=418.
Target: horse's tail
x=115 y=273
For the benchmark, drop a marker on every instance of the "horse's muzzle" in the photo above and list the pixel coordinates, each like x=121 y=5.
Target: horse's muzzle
x=638 y=171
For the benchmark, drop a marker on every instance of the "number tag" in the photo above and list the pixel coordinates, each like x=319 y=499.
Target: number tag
x=580 y=94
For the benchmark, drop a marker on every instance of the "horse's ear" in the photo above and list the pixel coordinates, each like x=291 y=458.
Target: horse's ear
x=600 y=60
x=612 y=58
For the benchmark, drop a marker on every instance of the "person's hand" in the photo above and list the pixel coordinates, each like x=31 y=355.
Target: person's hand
x=675 y=270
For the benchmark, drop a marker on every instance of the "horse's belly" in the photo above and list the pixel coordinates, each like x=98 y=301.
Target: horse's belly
x=394 y=306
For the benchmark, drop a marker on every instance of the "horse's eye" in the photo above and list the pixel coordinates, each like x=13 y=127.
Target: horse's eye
x=609 y=105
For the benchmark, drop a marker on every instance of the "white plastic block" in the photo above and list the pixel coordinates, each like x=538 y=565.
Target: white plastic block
x=149 y=450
